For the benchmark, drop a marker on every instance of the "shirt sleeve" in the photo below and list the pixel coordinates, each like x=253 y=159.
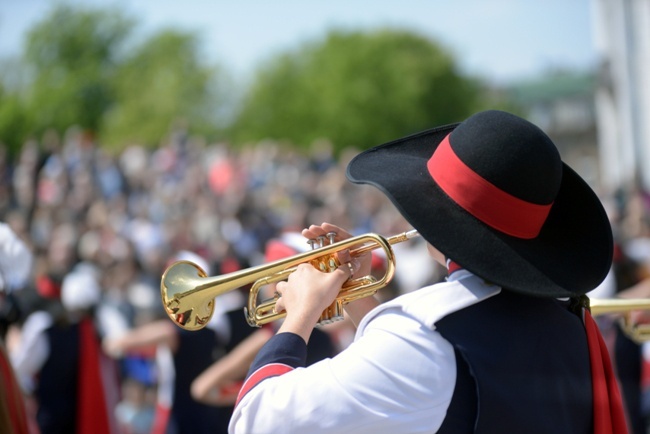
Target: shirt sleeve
x=281 y=354
x=399 y=376
x=30 y=356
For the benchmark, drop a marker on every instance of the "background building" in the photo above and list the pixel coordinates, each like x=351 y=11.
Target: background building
x=562 y=103
x=621 y=31
x=600 y=120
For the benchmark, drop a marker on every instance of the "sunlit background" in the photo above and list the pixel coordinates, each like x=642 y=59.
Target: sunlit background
x=542 y=59
x=526 y=56
x=133 y=130
x=501 y=40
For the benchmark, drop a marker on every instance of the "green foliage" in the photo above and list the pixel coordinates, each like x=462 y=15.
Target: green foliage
x=14 y=122
x=354 y=88
x=357 y=89
x=164 y=81
x=84 y=71
x=73 y=54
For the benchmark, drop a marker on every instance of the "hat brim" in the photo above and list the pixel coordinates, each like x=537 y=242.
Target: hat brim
x=571 y=255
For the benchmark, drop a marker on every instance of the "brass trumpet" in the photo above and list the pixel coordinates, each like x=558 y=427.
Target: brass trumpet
x=639 y=333
x=188 y=293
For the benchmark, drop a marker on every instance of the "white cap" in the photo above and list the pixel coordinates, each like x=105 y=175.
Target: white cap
x=80 y=290
x=15 y=260
x=186 y=255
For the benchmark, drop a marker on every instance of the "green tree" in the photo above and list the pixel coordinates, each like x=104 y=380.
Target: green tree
x=165 y=80
x=84 y=70
x=15 y=124
x=357 y=89
x=73 y=54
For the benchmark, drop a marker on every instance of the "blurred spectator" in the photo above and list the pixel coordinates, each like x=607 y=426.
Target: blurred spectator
x=136 y=411
x=180 y=356
x=59 y=361
x=15 y=266
x=629 y=277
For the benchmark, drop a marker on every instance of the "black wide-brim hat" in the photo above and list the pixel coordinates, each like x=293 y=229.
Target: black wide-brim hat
x=497 y=200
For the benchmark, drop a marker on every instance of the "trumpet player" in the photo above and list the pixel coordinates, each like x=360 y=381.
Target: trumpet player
x=501 y=346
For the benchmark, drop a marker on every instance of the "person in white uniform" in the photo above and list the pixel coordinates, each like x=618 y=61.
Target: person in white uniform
x=506 y=344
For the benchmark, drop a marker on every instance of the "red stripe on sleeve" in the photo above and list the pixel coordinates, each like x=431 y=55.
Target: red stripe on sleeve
x=266 y=371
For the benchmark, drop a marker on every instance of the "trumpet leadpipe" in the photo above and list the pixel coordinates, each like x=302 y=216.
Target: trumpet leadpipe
x=602 y=306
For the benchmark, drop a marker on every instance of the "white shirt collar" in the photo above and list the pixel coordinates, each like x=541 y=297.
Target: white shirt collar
x=432 y=303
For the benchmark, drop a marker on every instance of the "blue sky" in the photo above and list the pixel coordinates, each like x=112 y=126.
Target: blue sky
x=500 y=40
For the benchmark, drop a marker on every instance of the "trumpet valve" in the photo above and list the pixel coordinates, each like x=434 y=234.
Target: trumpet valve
x=325 y=264
x=332 y=314
x=319 y=241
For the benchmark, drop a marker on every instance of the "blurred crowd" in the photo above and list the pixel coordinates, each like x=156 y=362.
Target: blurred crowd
x=102 y=228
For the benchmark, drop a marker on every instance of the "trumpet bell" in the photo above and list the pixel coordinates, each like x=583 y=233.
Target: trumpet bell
x=179 y=292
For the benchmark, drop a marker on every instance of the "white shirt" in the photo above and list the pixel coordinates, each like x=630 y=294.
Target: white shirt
x=33 y=349
x=398 y=376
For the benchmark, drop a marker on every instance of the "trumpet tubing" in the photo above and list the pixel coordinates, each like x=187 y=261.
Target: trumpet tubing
x=188 y=293
x=602 y=306
x=620 y=306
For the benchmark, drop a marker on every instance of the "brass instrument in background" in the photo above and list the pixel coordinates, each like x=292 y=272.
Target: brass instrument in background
x=639 y=333
x=188 y=293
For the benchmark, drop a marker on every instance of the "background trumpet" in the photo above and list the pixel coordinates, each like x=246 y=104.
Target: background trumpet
x=624 y=307
x=188 y=293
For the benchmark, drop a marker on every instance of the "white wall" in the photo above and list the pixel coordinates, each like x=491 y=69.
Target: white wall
x=622 y=38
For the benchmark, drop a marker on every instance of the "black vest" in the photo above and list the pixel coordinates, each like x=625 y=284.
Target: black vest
x=56 y=391
x=523 y=367
x=193 y=355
